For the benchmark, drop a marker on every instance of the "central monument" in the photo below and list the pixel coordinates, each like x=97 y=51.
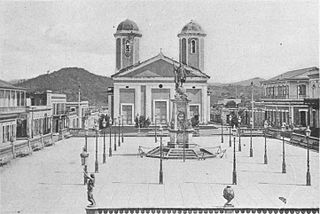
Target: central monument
x=180 y=130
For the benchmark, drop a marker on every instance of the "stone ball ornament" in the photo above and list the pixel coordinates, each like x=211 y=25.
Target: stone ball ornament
x=228 y=194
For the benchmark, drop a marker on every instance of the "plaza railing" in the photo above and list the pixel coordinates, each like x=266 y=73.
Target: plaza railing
x=97 y=210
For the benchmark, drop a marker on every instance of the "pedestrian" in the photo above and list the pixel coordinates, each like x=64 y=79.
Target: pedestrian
x=90 y=185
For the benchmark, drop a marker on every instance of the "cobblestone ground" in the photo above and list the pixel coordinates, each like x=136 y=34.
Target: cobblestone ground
x=51 y=180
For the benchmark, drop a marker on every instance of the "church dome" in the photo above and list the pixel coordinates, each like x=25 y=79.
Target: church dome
x=192 y=28
x=127 y=25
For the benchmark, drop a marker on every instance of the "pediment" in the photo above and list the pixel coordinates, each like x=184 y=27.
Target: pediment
x=158 y=66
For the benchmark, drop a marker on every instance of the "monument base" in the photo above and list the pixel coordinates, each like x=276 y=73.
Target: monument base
x=195 y=152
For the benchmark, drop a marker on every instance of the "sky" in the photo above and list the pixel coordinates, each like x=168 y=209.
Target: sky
x=245 y=38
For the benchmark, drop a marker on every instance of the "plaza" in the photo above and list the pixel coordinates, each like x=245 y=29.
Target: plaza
x=51 y=180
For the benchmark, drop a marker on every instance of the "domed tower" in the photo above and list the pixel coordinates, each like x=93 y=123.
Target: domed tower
x=191 y=45
x=127 y=44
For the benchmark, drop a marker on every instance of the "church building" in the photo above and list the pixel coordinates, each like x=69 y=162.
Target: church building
x=146 y=87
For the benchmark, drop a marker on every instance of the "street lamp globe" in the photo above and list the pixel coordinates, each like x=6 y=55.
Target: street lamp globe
x=308 y=132
x=234 y=131
x=283 y=127
x=104 y=123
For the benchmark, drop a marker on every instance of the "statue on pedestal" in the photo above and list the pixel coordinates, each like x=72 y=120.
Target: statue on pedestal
x=180 y=76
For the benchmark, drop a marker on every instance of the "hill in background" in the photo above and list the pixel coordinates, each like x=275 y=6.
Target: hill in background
x=241 y=90
x=67 y=81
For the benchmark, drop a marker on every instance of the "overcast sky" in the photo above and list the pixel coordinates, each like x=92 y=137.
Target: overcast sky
x=245 y=39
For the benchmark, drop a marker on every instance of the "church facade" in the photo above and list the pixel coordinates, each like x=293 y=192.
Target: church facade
x=146 y=88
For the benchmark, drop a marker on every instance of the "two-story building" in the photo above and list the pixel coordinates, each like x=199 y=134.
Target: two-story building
x=13 y=116
x=285 y=95
x=77 y=112
x=39 y=114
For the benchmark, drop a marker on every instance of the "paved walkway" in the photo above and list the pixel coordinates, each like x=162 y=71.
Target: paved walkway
x=50 y=181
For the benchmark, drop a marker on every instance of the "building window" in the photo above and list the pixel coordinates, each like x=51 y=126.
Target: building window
x=183 y=50
x=193 y=46
x=302 y=89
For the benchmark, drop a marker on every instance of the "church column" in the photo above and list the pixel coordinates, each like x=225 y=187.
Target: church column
x=137 y=101
x=148 y=102
x=116 y=105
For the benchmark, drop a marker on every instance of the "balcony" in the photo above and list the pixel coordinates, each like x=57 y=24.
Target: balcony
x=284 y=97
x=12 y=110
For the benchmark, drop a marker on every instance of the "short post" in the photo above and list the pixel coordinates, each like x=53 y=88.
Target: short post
x=283 y=150
x=29 y=145
x=161 y=172
x=308 y=177
x=13 y=147
x=234 y=172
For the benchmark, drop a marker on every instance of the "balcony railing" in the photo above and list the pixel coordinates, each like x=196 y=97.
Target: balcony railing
x=100 y=210
x=12 y=110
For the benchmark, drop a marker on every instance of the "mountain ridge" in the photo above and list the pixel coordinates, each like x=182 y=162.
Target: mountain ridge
x=67 y=80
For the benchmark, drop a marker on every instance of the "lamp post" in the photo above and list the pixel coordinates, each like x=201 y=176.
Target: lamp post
x=122 y=138
x=221 y=129
x=110 y=133
x=138 y=123
x=96 y=168
x=86 y=137
x=265 y=142
x=160 y=171
x=155 y=128
x=251 y=149
x=308 y=182
x=119 y=125
x=234 y=173
x=239 y=122
x=283 y=150
x=115 y=134
x=104 y=125
x=230 y=135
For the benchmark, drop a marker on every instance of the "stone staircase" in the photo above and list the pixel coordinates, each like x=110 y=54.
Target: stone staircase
x=178 y=153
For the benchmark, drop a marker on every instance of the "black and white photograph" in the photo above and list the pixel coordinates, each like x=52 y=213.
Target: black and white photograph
x=159 y=107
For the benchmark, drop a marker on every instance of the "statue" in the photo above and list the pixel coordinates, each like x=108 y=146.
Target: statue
x=90 y=185
x=180 y=75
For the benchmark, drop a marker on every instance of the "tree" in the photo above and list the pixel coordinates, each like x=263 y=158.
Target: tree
x=231 y=104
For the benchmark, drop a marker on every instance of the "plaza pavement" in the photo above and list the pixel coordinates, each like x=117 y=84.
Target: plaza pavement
x=51 y=180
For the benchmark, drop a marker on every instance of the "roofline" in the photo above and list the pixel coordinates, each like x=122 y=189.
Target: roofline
x=159 y=56
x=285 y=79
x=308 y=69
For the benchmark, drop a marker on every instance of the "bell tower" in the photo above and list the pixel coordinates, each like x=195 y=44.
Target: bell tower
x=127 y=44
x=191 y=45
